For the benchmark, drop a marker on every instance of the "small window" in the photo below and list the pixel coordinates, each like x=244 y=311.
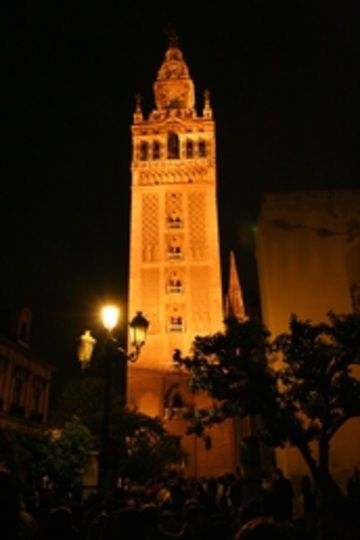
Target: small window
x=174 y=285
x=174 y=252
x=174 y=247
x=189 y=149
x=202 y=148
x=176 y=324
x=156 y=150
x=144 y=151
x=20 y=376
x=174 y=221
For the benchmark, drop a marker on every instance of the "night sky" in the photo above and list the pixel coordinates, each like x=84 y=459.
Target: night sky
x=284 y=84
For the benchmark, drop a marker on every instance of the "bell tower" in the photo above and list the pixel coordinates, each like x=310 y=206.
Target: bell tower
x=174 y=276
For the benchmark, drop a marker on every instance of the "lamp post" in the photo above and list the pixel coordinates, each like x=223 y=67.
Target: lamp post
x=110 y=318
x=112 y=350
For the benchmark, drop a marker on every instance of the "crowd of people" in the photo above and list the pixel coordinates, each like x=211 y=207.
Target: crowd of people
x=174 y=508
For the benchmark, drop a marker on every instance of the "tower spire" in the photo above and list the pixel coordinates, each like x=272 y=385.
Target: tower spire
x=234 y=302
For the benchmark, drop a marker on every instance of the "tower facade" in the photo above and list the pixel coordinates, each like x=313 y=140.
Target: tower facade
x=174 y=243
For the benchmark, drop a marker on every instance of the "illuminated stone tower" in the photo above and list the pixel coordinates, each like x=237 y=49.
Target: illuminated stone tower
x=174 y=246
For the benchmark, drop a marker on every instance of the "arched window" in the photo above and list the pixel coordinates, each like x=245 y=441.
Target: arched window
x=173 y=145
x=144 y=151
x=177 y=401
x=174 y=403
x=189 y=149
x=202 y=148
x=156 y=150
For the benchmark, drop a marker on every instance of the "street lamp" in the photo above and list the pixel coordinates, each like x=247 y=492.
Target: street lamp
x=138 y=329
x=85 y=349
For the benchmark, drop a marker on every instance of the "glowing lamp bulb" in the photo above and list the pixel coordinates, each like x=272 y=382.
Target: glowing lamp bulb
x=110 y=317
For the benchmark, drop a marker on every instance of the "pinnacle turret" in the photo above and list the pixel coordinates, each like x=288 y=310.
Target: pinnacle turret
x=207 y=110
x=138 y=114
x=234 y=303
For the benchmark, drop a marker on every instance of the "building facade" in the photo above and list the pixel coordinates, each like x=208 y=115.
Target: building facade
x=308 y=256
x=175 y=277
x=24 y=377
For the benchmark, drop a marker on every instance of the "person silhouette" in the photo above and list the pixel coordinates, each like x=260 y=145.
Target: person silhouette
x=16 y=523
x=282 y=494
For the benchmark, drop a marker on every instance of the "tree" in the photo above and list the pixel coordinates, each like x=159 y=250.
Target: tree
x=232 y=367
x=139 y=447
x=67 y=454
x=304 y=401
x=150 y=449
x=319 y=389
x=33 y=457
x=26 y=456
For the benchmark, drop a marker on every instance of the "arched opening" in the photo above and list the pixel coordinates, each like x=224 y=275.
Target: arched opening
x=202 y=148
x=156 y=150
x=174 y=404
x=177 y=401
x=144 y=151
x=189 y=149
x=173 y=145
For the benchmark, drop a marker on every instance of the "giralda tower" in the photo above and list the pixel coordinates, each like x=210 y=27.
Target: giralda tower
x=174 y=275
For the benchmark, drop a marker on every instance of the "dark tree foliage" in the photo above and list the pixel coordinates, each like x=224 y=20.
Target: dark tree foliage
x=232 y=368
x=140 y=446
x=38 y=460
x=304 y=384
x=320 y=387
